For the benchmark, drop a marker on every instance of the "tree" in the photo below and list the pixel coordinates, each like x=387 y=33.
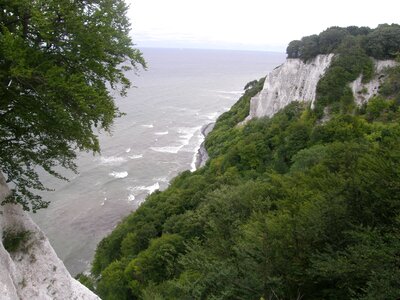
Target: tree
x=293 y=49
x=58 y=61
x=331 y=38
x=384 y=41
x=309 y=47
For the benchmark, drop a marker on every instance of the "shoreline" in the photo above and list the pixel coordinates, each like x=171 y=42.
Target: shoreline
x=202 y=155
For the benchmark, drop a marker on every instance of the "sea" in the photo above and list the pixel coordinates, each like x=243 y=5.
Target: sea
x=181 y=91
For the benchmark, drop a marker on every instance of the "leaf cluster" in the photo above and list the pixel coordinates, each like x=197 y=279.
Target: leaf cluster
x=58 y=59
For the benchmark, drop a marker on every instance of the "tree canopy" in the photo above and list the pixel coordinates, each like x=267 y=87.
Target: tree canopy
x=382 y=42
x=287 y=207
x=58 y=61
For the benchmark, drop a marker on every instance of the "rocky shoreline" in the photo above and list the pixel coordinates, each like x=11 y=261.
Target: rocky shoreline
x=202 y=155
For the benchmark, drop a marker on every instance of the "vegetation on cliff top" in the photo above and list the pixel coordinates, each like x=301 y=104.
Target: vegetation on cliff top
x=287 y=207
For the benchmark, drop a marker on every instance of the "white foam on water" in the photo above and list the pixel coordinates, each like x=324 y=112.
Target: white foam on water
x=193 y=163
x=153 y=188
x=135 y=156
x=167 y=149
x=104 y=201
x=187 y=133
x=112 y=160
x=230 y=92
x=148 y=125
x=201 y=139
x=131 y=197
x=162 y=179
x=150 y=189
x=213 y=116
x=161 y=133
x=128 y=150
x=118 y=174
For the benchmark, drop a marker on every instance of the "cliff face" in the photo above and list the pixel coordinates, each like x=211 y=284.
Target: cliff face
x=33 y=270
x=297 y=81
x=364 y=91
x=293 y=80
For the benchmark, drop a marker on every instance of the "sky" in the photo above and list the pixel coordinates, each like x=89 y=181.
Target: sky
x=248 y=24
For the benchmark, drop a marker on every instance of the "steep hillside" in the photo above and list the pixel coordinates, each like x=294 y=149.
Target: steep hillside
x=301 y=204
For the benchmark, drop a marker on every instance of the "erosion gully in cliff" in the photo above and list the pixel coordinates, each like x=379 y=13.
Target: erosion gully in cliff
x=33 y=270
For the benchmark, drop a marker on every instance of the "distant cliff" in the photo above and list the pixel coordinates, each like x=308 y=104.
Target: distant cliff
x=295 y=80
x=30 y=268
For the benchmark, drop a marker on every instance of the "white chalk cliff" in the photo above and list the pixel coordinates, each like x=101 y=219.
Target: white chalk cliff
x=295 y=80
x=34 y=271
x=292 y=81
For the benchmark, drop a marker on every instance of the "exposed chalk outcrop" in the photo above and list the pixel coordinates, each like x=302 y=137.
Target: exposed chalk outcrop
x=33 y=271
x=364 y=91
x=294 y=80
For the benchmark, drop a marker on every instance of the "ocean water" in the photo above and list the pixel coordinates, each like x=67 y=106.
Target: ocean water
x=182 y=90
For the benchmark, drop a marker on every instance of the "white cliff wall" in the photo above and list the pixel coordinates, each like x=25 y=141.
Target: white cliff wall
x=297 y=81
x=291 y=81
x=34 y=271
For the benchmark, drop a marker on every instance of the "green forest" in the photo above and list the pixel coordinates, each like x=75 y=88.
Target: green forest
x=302 y=205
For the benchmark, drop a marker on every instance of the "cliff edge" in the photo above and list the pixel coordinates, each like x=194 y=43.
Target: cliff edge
x=30 y=268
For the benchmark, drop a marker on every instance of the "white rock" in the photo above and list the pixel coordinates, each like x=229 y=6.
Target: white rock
x=35 y=271
x=292 y=81
x=297 y=81
x=364 y=91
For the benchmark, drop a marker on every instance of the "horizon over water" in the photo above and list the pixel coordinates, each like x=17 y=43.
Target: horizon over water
x=182 y=90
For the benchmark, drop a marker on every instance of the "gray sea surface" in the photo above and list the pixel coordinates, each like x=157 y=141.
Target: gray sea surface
x=182 y=90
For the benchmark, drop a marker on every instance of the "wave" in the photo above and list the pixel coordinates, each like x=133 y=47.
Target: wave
x=148 y=125
x=186 y=134
x=128 y=150
x=135 y=156
x=193 y=163
x=112 y=160
x=167 y=149
x=161 y=133
x=213 y=116
x=230 y=92
x=131 y=197
x=118 y=174
x=162 y=179
x=150 y=189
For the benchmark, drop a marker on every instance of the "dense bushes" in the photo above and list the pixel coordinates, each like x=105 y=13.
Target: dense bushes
x=287 y=207
x=380 y=43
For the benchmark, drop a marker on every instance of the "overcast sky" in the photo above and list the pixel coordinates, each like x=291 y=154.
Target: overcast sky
x=248 y=24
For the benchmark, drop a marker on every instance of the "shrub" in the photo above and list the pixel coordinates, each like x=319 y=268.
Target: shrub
x=15 y=240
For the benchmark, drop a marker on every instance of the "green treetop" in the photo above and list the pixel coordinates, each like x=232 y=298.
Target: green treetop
x=58 y=61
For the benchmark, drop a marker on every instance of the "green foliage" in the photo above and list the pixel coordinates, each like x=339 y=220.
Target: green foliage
x=384 y=41
x=333 y=89
x=293 y=49
x=14 y=241
x=330 y=39
x=309 y=47
x=114 y=285
x=287 y=207
x=86 y=280
x=391 y=85
x=57 y=59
